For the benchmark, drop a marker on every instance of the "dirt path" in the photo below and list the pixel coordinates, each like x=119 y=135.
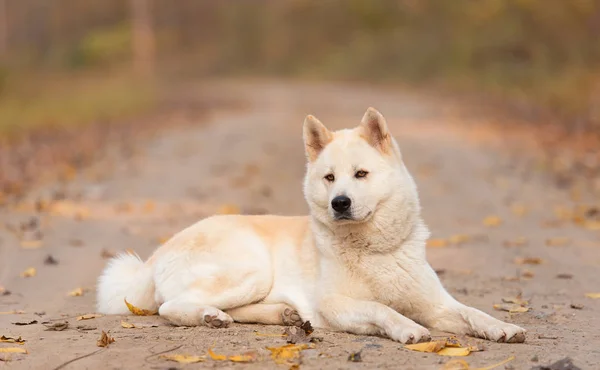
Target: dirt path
x=253 y=159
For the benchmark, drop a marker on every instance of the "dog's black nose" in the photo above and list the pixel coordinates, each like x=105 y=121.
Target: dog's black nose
x=341 y=203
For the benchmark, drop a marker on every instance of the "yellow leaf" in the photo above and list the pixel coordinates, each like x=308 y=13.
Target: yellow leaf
x=31 y=244
x=593 y=295
x=229 y=209
x=127 y=325
x=149 y=207
x=285 y=354
x=456 y=365
x=452 y=342
x=592 y=224
x=557 y=242
x=511 y=308
x=30 y=272
x=76 y=292
x=104 y=340
x=527 y=274
x=215 y=356
x=492 y=221
x=453 y=351
x=19 y=340
x=13 y=350
x=515 y=300
x=459 y=239
x=183 y=358
x=139 y=311
x=529 y=261
x=434 y=346
x=88 y=316
x=496 y=365
x=246 y=357
x=436 y=243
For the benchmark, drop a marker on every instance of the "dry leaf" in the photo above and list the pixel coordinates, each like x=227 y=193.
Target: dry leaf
x=13 y=312
x=229 y=209
x=246 y=357
x=527 y=274
x=511 y=308
x=518 y=242
x=515 y=300
x=492 y=221
x=127 y=325
x=50 y=260
x=496 y=365
x=88 y=316
x=453 y=351
x=149 y=207
x=215 y=356
x=459 y=239
x=30 y=272
x=13 y=350
x=437 y=243
x=564 y=276
x=288 y=353
x=355 y=357
x=19 y=340
x=104 y=340
x=31 y=244
x=456 y=365
x=25 y=323
x=593 y=295
x=183 y=359
x=576 y=306
x=106 y=254
x=557 y=242
x=58 y=326
x=139 y=311
x=76 y=292
x=434 y=346
x=529 y=261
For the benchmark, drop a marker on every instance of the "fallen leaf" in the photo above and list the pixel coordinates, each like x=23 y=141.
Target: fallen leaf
x=106 y=254
x=288 y=353
x=492 y=221
x=564 y=276
x=576 y=306
x=30 y=272
x=527 y=274
x=229 y=209
x=593 y=295
x=13 y=312
x=529 y=261
x=58 y=326
x=76 y=292
x=459 y=239
x=453 y=342
x=25 y=323
x=244 y=358
x=437 y=243
x=496 y=365
x=456 y=365
x=85 y=327
x=355 y=357
x=511 y=308
x=434 y=346
x=88 y=316
x=557 y=242
x=105 y=340
x=19 y=340
x=127 y=325
x=148 y=207
x=307 y=327
x=215 y=356
x=13 y=350
x=183 y=358
x=592 y=224
x=453 y=351
x=518 y=242
x=516 y=300
x=31 y=244
x=50 y=260
x=139 y=311
x=295 y=335
x=518 y=209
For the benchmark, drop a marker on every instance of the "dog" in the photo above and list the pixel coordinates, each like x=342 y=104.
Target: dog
x=357 y=263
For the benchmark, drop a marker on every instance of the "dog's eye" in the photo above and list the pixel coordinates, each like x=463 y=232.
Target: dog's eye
x=330 y=177
x=360 y=174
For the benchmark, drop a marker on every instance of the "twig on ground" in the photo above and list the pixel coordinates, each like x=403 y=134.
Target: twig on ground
x=78 y=358
x=160 y=353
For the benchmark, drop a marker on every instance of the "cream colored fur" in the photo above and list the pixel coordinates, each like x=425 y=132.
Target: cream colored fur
x=367 y=274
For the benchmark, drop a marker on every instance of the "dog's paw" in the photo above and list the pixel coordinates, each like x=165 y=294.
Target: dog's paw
x=504 y=333
x=214 y=318
x=410 y=335
x=290 y=317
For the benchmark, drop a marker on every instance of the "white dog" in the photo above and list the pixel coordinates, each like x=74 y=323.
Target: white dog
x=356 y=264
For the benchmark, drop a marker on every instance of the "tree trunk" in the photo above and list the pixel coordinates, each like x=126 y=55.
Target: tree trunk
x=143 y=42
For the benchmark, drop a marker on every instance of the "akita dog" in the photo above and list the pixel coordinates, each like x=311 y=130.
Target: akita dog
x=356 y=264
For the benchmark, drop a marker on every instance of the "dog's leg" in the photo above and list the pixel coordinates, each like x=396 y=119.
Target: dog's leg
x=269 y=314
x=367 y=317
x=188 y=311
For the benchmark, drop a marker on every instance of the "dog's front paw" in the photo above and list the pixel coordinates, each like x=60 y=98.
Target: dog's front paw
x=504 y=332
x=410 y=335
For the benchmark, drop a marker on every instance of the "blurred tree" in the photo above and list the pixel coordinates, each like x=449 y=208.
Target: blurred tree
x=144 y=48
x=3 y=30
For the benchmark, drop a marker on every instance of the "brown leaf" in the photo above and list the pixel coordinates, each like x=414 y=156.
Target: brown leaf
x=139 y=311
x=355 y=357
x=492 y=221
x=50 y=260
x=25 y=323
x=527 y=274
x=564 y=276
x=183 y=358
x=57 y=326
x=30 y=272
x=104 y=340
x=19 y=340
x=529 y=261
x=307 y=327
x=88 y=316
x=576 y=306
x=106 y=254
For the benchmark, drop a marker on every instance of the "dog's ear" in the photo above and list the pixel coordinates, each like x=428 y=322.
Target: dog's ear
x=375 y=131
x=316 y=137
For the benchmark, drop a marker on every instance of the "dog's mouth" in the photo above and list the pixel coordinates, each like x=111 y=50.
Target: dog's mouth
x=347 y=217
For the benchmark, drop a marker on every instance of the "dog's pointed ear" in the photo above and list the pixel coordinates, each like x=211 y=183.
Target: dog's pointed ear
x=316 y=137
x=375 y=131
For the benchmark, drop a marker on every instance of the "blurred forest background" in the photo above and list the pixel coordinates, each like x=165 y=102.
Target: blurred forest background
x=65 y=62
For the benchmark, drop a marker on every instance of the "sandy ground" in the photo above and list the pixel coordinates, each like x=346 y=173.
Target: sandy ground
x=252 y=159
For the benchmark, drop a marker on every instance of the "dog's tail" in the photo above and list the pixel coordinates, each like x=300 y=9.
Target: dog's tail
x=126 y=277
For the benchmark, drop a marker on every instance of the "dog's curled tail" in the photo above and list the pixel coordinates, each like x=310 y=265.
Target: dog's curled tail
x=125 y=277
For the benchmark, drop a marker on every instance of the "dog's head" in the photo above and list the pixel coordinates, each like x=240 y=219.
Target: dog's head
x=355 y=174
